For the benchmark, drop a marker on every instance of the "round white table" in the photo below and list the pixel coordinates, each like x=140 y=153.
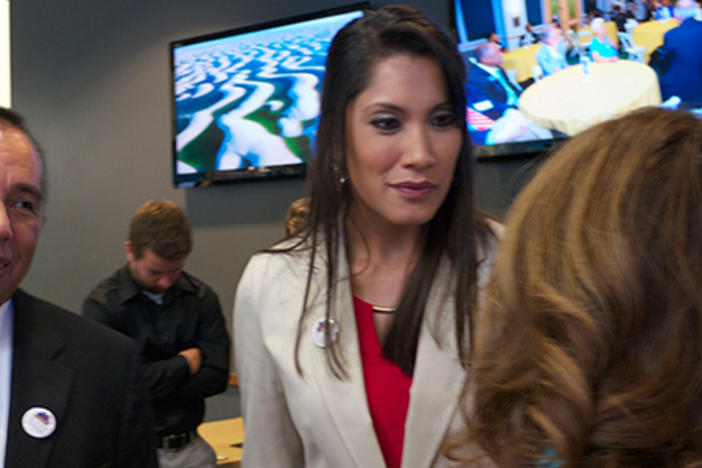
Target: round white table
x=567 y=102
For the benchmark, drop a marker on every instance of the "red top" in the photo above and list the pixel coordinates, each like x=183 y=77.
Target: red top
x=387 y=387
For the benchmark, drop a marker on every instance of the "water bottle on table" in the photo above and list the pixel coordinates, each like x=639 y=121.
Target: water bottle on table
x=587 y=68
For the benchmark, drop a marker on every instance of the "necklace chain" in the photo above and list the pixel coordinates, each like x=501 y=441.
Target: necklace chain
x=383 y=310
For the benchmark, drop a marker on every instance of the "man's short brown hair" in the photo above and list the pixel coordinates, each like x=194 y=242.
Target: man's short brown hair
x=296 y=218
x=162 y=227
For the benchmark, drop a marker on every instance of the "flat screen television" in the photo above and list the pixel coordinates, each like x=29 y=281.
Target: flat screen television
x=474 y=22
x=245 y=102
x=553 y=107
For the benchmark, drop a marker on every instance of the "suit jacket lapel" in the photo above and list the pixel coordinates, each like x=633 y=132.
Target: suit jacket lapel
x=437 y=382
x=438 y=379
x=37 y=380
x=345 y=399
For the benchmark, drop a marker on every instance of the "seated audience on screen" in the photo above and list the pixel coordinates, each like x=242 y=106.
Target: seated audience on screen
x=495 y=39
x=574 y=48
x=650 y=9
x=602 y=47
x=592 y=15
x=551 y=55
x=665 y=11
x=528 y=38
x=588 y=349
x=621 y=17
x=680 y=58
x=638 y=10
x=618 y=17
x=488 y=80
x=491 y=92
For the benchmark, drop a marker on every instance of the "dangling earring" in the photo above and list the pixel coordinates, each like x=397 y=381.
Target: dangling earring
x=341 y=183
x=340 y=177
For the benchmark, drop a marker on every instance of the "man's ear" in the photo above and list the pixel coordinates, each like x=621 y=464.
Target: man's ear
x=128 y=251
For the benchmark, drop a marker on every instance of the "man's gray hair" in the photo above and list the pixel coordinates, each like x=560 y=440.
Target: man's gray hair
x=9 y=118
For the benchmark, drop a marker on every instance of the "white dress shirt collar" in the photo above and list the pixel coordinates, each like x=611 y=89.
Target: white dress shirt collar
x=494 y=71
x=7 y=315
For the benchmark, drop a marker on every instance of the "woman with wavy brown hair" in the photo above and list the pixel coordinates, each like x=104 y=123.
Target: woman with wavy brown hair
x=589 y=347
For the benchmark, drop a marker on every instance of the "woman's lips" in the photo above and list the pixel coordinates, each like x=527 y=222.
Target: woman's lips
x=414 y=189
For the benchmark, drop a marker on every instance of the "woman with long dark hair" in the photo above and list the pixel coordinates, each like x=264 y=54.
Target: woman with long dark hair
x=351 y=336
x=588 y=352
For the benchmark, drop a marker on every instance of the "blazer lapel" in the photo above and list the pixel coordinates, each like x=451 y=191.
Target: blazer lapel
x=345 y=399
x=37 y=381
x=437 y=382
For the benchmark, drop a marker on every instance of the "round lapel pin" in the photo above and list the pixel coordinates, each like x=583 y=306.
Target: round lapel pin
x=39 y=422
x=323 y=337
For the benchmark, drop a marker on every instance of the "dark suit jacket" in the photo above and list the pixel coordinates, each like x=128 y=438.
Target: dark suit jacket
x=88 y=376
x=681 y=61
x=482 y=87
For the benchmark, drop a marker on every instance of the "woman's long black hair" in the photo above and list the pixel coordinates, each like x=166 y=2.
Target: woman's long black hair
x=454 y=233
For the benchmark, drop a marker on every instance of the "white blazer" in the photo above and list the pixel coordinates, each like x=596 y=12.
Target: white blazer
x=316 y=420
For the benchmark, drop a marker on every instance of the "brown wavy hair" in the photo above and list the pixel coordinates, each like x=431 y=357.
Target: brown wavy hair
x=589 y=346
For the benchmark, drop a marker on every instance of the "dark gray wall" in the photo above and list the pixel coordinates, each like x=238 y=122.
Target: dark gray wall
x=92 y=79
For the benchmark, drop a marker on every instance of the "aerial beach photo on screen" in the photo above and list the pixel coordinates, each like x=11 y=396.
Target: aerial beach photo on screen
x=247 y=101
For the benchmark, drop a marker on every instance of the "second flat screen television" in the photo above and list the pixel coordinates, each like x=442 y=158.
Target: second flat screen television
x=530 y=107
x=246 y=101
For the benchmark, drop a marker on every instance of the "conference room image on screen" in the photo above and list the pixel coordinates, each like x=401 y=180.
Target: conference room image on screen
x=539 y=70
x=250 y=99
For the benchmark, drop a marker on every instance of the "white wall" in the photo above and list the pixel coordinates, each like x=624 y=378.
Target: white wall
x=5 y=99
x=512 y=9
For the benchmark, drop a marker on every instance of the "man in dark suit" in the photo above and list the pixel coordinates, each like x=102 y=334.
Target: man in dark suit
x=492 y=93
x=681 y=58
x=489 y=87
x=71 y=391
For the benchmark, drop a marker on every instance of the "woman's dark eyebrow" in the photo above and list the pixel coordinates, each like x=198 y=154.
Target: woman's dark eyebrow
x=396 y=108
